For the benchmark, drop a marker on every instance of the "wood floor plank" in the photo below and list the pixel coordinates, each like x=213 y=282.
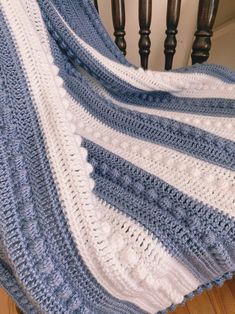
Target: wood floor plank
x=7 y=306
x=181 y=309
x=3 y=302
x=228 y=299
x=231 y=284
x=217 y=300
x=201 y=304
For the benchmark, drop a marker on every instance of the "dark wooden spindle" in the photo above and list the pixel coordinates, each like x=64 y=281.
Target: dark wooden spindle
x=96 y=5
x=172 y=19
x=207 y=11
x=145 y=16
x=118 y=14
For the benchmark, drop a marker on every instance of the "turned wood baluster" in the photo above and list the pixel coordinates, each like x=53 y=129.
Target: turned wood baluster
x=96 y=5
x=118 y=14
x=172 y=19
x=145 y=15
x=207 y=11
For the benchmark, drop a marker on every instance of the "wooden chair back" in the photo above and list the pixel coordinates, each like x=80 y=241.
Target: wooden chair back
x=207 y=11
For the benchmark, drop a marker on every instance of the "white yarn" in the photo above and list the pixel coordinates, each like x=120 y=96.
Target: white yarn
x=186 y=173
x=220 y=126
x=110 y=243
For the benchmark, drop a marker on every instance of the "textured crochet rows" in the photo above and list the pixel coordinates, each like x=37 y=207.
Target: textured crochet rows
x=116 y=184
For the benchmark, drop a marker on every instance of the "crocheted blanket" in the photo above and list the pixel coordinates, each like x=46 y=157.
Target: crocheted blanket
x=117 y=185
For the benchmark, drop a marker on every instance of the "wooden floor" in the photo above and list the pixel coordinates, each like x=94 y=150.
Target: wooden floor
x=215 y=301
x=7 y=306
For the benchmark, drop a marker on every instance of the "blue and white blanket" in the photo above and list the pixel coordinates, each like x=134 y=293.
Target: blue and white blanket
x=117 y=185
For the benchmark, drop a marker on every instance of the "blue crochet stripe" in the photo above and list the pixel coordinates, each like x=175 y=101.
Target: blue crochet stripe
x=191 y=231
x=87 y=8
x=166 y=101
x=176 y=135
x=9 y=283
x=121 y=89
x=86 y=23
x=70 y=47
x=19 y=229
x=84 y=12
x=219 y=71
x=36 y=214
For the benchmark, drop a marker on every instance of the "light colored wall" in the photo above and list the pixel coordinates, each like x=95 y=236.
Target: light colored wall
x=225 y=13
x=223 y=43
x=223 y=49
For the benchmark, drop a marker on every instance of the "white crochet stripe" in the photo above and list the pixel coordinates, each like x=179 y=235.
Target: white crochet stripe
x=195 y=85
x=32 y=10
x=68 y=165
x=220 y=126
x=145 y=261
x=66 y=157
x=211 y=184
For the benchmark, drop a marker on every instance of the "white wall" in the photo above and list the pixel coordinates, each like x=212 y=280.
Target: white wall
x=223 y=44
x=223 y=41
x=225 y=13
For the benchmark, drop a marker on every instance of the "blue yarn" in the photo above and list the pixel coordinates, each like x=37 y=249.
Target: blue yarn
x=63 y=258
x=9 y=283
x=175 y=220
x=221 y=72
x=155 y=129
x=40 y=263
x=121 y=89
x=85 y=13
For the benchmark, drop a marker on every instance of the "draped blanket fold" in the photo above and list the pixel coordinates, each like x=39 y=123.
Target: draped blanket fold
x=117 y=185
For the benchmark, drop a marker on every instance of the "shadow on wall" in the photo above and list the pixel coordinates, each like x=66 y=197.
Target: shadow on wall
x=223 y=48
